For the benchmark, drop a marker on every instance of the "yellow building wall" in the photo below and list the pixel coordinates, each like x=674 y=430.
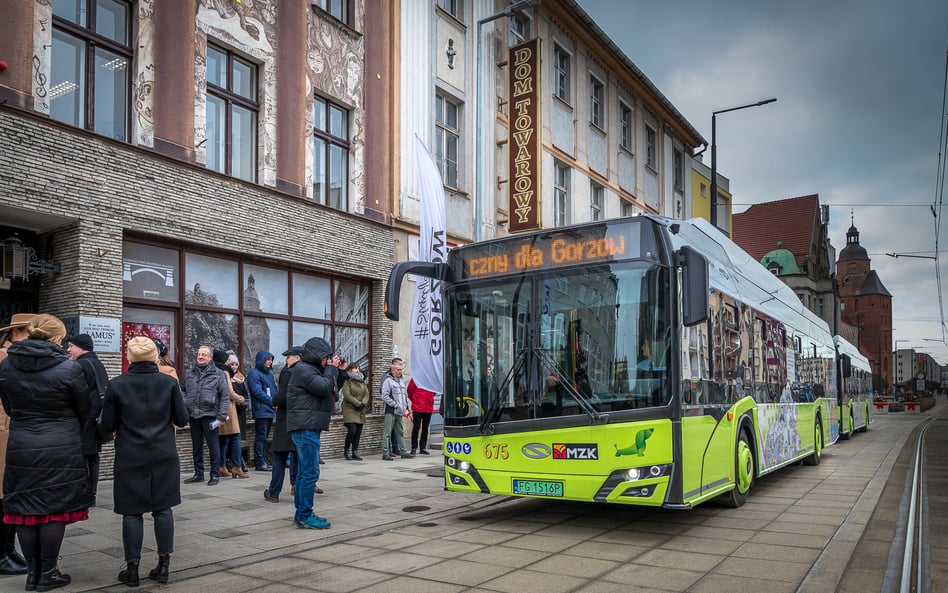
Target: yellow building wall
x=701 y=203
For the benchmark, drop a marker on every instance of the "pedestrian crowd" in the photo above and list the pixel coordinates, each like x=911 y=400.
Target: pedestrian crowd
x=57 y=398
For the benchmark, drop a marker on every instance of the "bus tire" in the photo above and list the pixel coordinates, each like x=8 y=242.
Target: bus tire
x=744 y=466
x=815 y=457
x=847 y=431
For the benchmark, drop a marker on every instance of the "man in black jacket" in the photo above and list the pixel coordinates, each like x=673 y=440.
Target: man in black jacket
x=310 y=398
x=80 y=349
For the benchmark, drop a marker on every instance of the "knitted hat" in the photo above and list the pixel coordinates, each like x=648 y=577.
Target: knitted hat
x=220 y=356
x=83 y=341
x=232 y=359
x=141 y=349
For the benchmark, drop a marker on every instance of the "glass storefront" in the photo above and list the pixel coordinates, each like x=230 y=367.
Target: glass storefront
x=224 y=302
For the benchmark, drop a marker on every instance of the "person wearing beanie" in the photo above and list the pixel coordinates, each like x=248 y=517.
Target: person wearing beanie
x=46 y=395
x=229 y=430
x=310 y=397
x=239 y=384
x=207 y=397
x=263 y=389
x=80 y=349
x=139 y=408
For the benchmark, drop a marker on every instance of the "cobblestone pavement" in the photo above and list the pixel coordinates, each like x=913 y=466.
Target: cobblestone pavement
x=395 y=529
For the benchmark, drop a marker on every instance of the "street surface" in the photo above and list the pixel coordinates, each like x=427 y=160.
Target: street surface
x=394 y=529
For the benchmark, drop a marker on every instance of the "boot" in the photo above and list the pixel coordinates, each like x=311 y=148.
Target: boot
x=160 y=572
x=355 y=455
x=129 y=574
x=32 y=574
x=346 y=455
x=10 y=564
x=225 y=473
x=49 y=577
x=236 y=472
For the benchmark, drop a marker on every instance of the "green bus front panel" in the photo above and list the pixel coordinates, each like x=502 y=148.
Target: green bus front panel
x=624 y=463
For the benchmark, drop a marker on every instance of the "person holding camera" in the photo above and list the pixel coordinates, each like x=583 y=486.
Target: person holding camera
x=355 y=401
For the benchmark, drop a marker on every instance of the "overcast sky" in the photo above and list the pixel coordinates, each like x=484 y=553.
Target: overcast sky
x=859 y=87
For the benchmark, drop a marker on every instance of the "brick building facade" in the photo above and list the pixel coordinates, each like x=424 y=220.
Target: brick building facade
x=197 y=181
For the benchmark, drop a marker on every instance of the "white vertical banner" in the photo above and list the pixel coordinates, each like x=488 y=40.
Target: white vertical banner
x=427 y=352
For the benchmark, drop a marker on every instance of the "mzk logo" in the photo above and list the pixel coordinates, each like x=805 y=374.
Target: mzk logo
x=575 y=451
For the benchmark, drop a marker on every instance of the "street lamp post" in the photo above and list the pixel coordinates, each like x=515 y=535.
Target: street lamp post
x=478 y=108
x=714 y=153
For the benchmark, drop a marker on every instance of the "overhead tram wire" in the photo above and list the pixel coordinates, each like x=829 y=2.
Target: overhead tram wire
x=940 y=192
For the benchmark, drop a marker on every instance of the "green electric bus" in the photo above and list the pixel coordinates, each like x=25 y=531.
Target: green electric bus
x=641 y=360
x=854 y=389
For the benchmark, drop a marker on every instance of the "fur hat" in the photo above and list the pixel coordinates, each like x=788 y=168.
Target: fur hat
x=141 y=349
x=83 y=341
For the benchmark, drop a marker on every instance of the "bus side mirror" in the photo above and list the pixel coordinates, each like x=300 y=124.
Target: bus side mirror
x=436 y=270
x=695 y=287
x=847 y=365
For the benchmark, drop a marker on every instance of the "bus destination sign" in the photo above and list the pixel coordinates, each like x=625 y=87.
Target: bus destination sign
x=559 y=251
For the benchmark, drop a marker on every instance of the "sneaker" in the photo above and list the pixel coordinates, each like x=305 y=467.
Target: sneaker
x=387 y=458
x=269 y=498
x=313 y=522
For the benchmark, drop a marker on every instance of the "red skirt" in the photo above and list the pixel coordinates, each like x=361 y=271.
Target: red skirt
x=12 y=519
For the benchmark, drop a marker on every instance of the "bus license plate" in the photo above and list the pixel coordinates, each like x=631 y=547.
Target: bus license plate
x=538 y=488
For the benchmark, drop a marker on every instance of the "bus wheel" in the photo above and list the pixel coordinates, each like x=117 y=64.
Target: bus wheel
x=743 y=472
x=847 y=430
x=814 y=458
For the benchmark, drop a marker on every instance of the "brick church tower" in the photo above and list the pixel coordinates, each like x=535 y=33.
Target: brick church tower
x=867 y=305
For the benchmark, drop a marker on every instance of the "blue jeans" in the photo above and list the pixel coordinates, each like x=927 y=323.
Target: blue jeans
x=201 y=431
x=262 y=430
x=281 y=461
x=230 y=450
x=307 y=472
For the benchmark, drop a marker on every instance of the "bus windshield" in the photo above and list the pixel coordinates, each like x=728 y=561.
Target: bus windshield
x=557 y=343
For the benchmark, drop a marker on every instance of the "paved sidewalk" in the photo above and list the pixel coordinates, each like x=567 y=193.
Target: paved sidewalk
x=394 y=529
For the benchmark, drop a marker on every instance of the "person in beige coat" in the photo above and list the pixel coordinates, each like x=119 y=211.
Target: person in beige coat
x=11 y=562
x=229 y=430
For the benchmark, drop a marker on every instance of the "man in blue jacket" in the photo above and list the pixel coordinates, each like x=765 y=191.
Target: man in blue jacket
x=262 y=389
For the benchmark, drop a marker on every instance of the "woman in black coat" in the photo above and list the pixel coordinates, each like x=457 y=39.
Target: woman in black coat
x=140 y=408
x=45 y=484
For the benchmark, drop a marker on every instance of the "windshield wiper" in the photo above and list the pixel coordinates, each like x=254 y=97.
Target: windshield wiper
x=581 y=400
x=496 y=401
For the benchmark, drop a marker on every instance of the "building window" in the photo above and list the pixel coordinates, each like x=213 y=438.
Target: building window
x=704 y=190
x=596 y=193
x=447 y=139
x=625 y=127
x=231 y=114
x=91 y=50
x=453 y=7
x=561 y=73
x=597 y=101
x=520 y=29
x=240 y=305
x=338 y=9
x=626 y=208
x=561 y=175
x=330 y=154
x=650 y=148
x=678 y=166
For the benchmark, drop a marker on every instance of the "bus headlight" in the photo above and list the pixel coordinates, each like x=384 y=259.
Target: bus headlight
x=632 y=474
x=464 y=466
